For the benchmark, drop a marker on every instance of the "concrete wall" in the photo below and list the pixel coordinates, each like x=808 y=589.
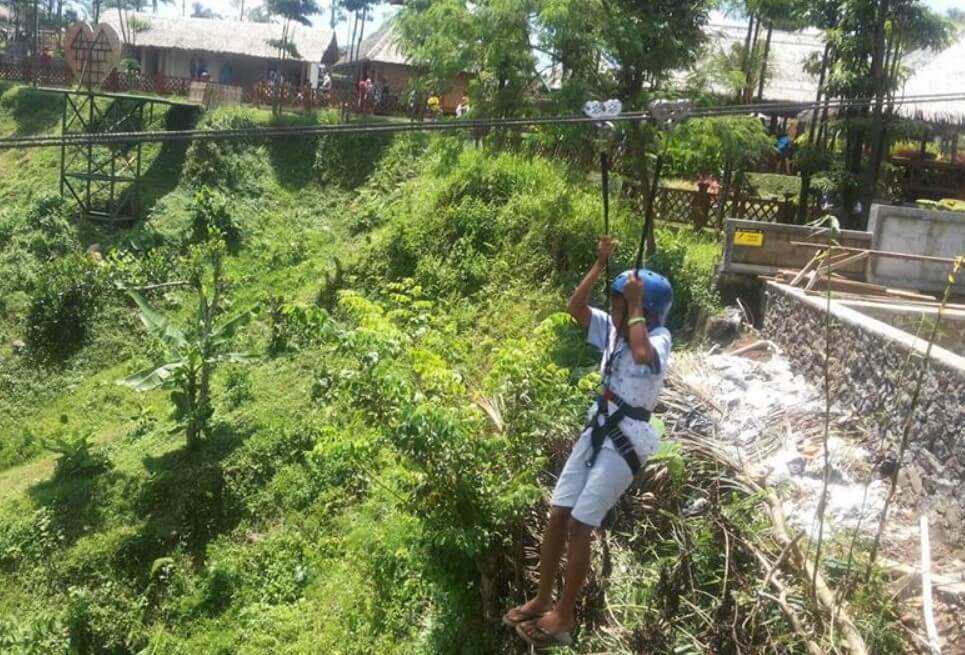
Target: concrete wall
x=915 y=319
x=921 y=232
x=869 y=372
x=776 y=252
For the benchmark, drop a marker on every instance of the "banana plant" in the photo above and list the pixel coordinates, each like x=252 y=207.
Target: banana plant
x=191 y=357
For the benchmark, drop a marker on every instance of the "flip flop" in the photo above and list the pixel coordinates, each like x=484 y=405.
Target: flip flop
x=545 y=639
x=527 y=616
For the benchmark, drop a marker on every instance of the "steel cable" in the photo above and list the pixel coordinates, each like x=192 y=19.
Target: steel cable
x=110 y=138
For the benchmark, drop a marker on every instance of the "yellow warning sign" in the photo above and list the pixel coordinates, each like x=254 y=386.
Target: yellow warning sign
x=753 y=238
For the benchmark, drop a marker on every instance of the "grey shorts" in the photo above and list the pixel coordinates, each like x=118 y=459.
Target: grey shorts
x=591 y=492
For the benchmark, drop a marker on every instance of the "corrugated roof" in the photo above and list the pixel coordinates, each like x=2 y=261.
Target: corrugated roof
x=381 y=46
x=314 y=44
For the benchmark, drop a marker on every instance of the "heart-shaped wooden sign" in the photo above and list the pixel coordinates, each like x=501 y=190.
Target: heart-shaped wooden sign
x=92 y=52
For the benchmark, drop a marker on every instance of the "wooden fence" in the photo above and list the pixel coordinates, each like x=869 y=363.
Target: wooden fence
x=133 y=82
x=52 y=74
x=701 y=208
x=309 y=98
x=933 y=180
x=261 y=93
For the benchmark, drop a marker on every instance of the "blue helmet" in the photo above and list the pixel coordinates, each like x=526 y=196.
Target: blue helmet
x=657 y=293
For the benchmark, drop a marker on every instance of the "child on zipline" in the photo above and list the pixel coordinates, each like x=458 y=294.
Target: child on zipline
x=617 y=441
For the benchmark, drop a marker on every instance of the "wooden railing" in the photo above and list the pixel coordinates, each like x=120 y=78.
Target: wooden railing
x=261 y=93
x=932 y=180
x=134 y=82
x=308 y=97
x=42 y=74
x=701 y=208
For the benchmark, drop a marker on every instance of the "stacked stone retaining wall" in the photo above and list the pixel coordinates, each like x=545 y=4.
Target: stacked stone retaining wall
x=873 y=368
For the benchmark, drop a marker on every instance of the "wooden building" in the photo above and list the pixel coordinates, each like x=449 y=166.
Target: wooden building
x=381 y=57
x=228 y=52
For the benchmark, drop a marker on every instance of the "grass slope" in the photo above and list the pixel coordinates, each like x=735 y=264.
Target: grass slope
x=366 y=478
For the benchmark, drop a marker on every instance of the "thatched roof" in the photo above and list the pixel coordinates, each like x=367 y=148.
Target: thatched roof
x=382 y=46
x=229 y=37
x=944 y=73
x=786 y=79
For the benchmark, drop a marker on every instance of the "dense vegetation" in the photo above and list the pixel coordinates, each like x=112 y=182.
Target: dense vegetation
x=371 y=435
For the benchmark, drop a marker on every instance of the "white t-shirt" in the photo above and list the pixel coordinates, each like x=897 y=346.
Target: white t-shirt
x=637 y=384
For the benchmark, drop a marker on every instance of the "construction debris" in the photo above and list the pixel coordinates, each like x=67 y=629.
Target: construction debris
x=822 y=275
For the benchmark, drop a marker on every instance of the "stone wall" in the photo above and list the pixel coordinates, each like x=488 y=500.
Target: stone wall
x=867 y=360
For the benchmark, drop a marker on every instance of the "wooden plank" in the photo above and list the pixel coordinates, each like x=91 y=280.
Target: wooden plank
x=804 y=271
x=911 y=295
x=884 y=300
x=879 y=253
x=850 y=285
x=841 y=263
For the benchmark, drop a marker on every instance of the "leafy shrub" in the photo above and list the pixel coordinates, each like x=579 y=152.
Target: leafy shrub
x=273 y=571
x=77 y=456
x=346 y=160
x=66 y=297
x=32 y=110
x=136 y=267
x=39 y=631
x=237 y=385
x=486 y=221
x=28 y=536
x=212 y=219
x=52 y=233
x=706 y=146
x=251 y=466
x=772 y=185
x=231 y=164
x=105 y=617
x=295 y=325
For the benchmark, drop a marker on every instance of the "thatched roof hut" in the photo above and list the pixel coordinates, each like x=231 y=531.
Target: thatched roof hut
x=228 y=37
x=944 y=73
x=786 y=79
x=381 y=58
x=382 y=46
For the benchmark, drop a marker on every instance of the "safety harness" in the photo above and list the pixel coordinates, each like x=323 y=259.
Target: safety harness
x=609 y=428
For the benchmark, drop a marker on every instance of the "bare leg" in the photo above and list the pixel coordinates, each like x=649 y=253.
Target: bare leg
x=563 y=617
x=551 y=551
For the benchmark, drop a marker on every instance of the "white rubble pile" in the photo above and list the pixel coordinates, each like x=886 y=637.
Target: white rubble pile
x=773 y=421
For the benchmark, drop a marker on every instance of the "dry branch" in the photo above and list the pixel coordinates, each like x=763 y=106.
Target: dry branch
x=931 y=629
x=821 y=590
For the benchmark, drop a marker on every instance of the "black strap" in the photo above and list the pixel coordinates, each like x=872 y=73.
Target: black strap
x=611 y=429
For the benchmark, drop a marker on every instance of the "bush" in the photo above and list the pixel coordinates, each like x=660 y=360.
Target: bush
x=688 y=260
x=212 y=219
x=66 y=297
x=347 y=160
x=232 y=164
x=78 y=456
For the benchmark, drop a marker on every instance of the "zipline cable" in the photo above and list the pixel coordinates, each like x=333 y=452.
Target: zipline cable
x=102 y=138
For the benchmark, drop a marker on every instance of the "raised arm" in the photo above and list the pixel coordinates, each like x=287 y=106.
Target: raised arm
x=579 y=305
x=638 y=335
